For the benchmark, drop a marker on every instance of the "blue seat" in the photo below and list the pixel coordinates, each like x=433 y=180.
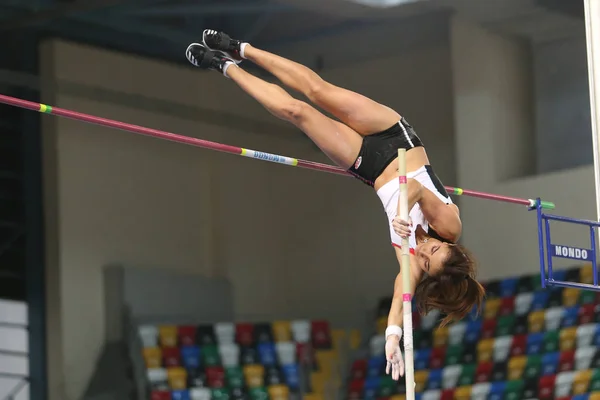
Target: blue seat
x=434 y=380
x=508 y=287
x=267 y=354
x=291 y=375
x=584 y=396
x=559 y=274
x=418 y=396
x=540 y=300
x=596 y=340
x=190 y=357
x=422 y=359
x=376 y=366
x=550 y=363
x=472 y=332
x=570 y=317
x=180 y=395
x=497 y=391
x=371 y=387
x=534 y=343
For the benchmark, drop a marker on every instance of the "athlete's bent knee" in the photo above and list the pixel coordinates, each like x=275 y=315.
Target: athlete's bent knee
x=295 y=111
x=317 y=89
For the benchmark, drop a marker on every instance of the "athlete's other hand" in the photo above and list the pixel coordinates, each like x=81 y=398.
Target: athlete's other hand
x=393 y=355
x=401 y=227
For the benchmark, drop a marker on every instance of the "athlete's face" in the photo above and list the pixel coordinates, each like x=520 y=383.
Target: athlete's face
x=431 y=254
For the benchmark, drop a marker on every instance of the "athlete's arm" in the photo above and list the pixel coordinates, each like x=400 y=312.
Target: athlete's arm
x=395 y=316
x=443 y=218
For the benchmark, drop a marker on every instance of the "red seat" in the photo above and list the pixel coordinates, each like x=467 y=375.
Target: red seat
x=488 y=328
x=171 y=356
x=416 y=317
x=518 y=346
x=160 y=395
x=507 y=306
x=358 y=370
x=187 y=335
x=215 y=377
x=355 y=389
x=484 y=372
x=320 y=335
x=447 y=394
x=244 y=334
x=564 y=398
x=566 y=361
x=546 y=387
x=305 y=353
x=586 y=314
x=437 y=357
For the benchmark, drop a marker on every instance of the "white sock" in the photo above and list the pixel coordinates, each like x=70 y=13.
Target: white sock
x=242 y=48
x=226 y=66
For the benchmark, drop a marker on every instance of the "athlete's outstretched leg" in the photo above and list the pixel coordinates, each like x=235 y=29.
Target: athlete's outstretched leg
x=338 y=141
x=362 y=114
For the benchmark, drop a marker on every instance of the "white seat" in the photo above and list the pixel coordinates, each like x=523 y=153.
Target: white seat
x=432 y=395
x=225 y=332
x=377 y=345
x=157 y=378
x=301 y=331
x=286 y=352
x=585 y=334
x=430 y=320
x=553 y=318
x=230 y=354
x=583 y=357
x=480 y=391
x=502 y=346
x=456 y=333
x=450 y=375
x=200 y=394
x=148 y=335
x=563 y=383
x=523 y=303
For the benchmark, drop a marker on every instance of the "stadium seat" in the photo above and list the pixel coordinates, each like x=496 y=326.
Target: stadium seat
x=305 y=354
x=300 y=331
x=492 y=289
x=377 y=345
x=570 y=297
x=258 y=393
x=483 y=373
x=490 y=310
x=470 y=353
x=254 y=375
x=249 y=355
x=171 y=356
x=387 y=387
x=505 y=325
x=274 y=376
x=507 y=306
x=586 y=314
x=205 y=335
x=581 y=381
x=190 y=357
x=463 y=393
x=263 y=333
x=381 y=325
x=244 y=334
x=432 y=395
x=467 y=375
x=440 y=337
x=523 y=303
x=585 y=396
x=524 y=284
x=540 y=300
x=167 y=335
x=224 y=332
x=537 y=320
x=152 y=357
x=563 y=384
x=588 y=297
x=585 y=334
x=456 y=333
x=586 y=274
x=234 y=377
x=229 y=354
x=215 y=376
x=282 y=331
x=438 y=356
x=376 y=366
x=161 y=395
x=554 y=316
x=555 y=298
x=291 y=374
x=430 y=321
x=596 y=359
x=533 y=367
x=502 y=346
x=423 y=339
x=157 y=378
x=518 y=346
x=499 y=371
x=355 y=389
x=177 y=377
x=278 y=392
x=566 y=361
x=530 y=388
x=187 y=335
x=196 y=377
x=497 y=391
x=480 y=391
x=453 y=354
x=485 y=350
x=550 y=363
x=568 y=339
x=570 y=317
x=551 y=341
x=286 y=352
x=421 y=358
x=584 y=357
x=535 y=343
x=267 y=354
x=200 y=394
x=546 y=387
x=371 y=387
x=595 y=380
x=210 y=355
x=421 y=380
x=321 y=335
x=148 y=335
x=488 y=328
x=516 y=367
x=508 y=287
x=450 y=376
x=513 y=390
x=521 y=326
x=473 y=331
x=434 y=380
x=358 y=369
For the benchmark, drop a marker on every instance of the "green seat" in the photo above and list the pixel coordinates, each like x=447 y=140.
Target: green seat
x=595 y=381
x=533 y=367
x=259 y=393
x=220 y=394
x=587 y=297
x=551 y=341
x=454 y=354
x=234 y=377
x=536 y=283
x=467 y=376
x=514 y=390
x=210 y=356
x=387 y=386
x=505 y=325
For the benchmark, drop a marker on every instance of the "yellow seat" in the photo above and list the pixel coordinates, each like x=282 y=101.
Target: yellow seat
x=313 y=396
x=440 y=337
x=485 y=350
x=398 y=397
x=338 y=338
x=354 y=339
x=491 y=308
x=254 y=375
x=282 y=331
x=586 y=274
x=152 y=357
x=594 y=396
x=177 y=377
x=168 y=335
x=463 y=393
x=327 y=361
x=318 y=380
x=421 y=380
x=536 y=321
x=581 y=382
x=568 y=338
x=382 y=323
x=516 y=366
x=570 y=297
x=279 y=392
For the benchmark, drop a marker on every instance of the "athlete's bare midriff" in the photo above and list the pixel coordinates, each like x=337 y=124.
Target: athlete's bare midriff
x=415 y=159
